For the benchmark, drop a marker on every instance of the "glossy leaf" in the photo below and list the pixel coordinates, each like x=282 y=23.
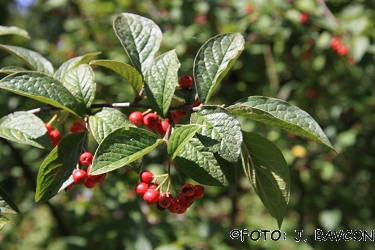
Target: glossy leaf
x=58 y=166
x=12 y=30
x=43 y=88
x=160 y=82
x=11 y=69
x=80 y=82
x=140 y=37
x=221 y=131
x=130 y=74
x=7 y=205
x=278 y=113
x=122 y=147
x=268 y=172
x=213 y=61
x=180 y=137
x=105 y=121
x=32 y=59
x=25 y=128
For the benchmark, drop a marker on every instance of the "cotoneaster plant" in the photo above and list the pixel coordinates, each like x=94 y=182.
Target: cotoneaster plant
x=209 y=149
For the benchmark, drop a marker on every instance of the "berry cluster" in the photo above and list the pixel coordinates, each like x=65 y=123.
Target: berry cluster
x=53 y=134
x=151 y=193
x=337 y=46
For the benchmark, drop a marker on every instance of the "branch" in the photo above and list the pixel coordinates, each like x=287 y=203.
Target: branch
x=327 y=12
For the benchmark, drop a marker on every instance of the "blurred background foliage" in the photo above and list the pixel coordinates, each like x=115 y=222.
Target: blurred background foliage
x=285 y=57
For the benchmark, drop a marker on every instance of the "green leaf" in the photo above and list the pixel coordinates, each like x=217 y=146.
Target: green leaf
x=130 y=74
x=4 y=220
x=122 y=147
x=80 y=82
x=160 y=81
x=12 y=30
x=32 y=59
x=7 y=205
x=72 y=63
x=105 y=121
x=213 y=61
x=140 y=37
x=58 y=166
x=221 y=131
x=205 y=167
x=25 y=128
x=280 y=114
x=180 y=137
x=43 y=88
x=11 y=69
x=268 y=172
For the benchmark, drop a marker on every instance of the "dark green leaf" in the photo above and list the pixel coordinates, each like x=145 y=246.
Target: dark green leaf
x=180 y=137
x=12 y=30
x=278 y=113
x=213 y=61
x=7 y=205
x=268 y=172
x=160 y=81
x=58 y=167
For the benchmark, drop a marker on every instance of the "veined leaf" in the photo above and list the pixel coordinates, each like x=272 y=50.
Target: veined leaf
x=130 y=74
x=32 y=59
x=58 y=166
x=12 y=30
x=213 y=61
x=72 y=63
x=278 y=113
x=43 y=88
x=80 y=82
x=122 y=147
x=25 y=128
x=140 y=37
x=221 y=131
x=11 y=69
x=105 y=121
x=268 y=173
x=7 y=205
x=4 y=220
x=160 y=81
x=180 y=137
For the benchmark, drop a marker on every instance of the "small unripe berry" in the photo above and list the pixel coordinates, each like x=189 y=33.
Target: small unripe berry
x=151 y=196
x=187 y=190
x=79 y=176
x=86 y=158
x=185 y=82
x=151 y=120
x=146 y=176
x=136 y=118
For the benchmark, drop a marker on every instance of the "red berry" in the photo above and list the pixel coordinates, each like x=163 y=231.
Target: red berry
x=151 y=196
x=335 y=42
x=175 y=206
x=196 y=103
x=164 y=201
x=182 y=210
x=185 y=82
x=56 y=141
x=54 y=133
x=163 y=127
x=79 y=176
x=174 y=118
x=49 y=127
x=136 y=118
x=181 y=113
x=152 y=186
x=141 y=188
x=342 y=50
x=146 y=176
x=77 y=127
x=159 y=207
x=90 y=183
x=198 y=191
x=185 y=201
x=304 y=17
x=100 y=178
x=86 y=158
x=187 y=190
x=151 y=120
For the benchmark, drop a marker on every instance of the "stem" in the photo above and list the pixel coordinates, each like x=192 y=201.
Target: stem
x=271 y=69
x=52 y=119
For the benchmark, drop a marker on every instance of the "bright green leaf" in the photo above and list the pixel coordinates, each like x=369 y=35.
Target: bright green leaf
x=160 y=81
x=7 y=205
x=213 y=61
x=122 y=147
x=130 y=74
x=278 y=113
x=105 y=121
x=221 y=131
x=180 y=137
x=11 y=69
x=12 y=30
x=43 y=88
x=25 y=128
x=80 y=82
x=32 y=59
x=140 y=37
x=58 y=167
x=268 y=172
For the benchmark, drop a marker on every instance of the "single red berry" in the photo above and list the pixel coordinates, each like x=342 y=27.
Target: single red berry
x=196 y=103
x=151 y=120
x=136 y=118
x=198 y=191
x=304 y=17
x=181 y=113
x=174 y=117
x=49 y=127
x=90 y=183
x=141 y=188
x=182 y=210
x=342 y=50
x=335 y=42
x=163 y=127
x=164 y=201
x=187 y=189
x=79 y=176
x=185 y=201
x=100 y=178
x=146 y=176
x=151 y=196
x=159 y=207
x=86 y=158
x=77 y=127
x=69 y=187
x=175 y=206
x=152 y=186
x=54 y=133
x=56 y=141
x=185 y=82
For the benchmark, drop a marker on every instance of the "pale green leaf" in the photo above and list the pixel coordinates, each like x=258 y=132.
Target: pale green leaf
x=4 y=220
x=11 y=69
x=180 y=137
x=7 y=205
x=12 y=30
